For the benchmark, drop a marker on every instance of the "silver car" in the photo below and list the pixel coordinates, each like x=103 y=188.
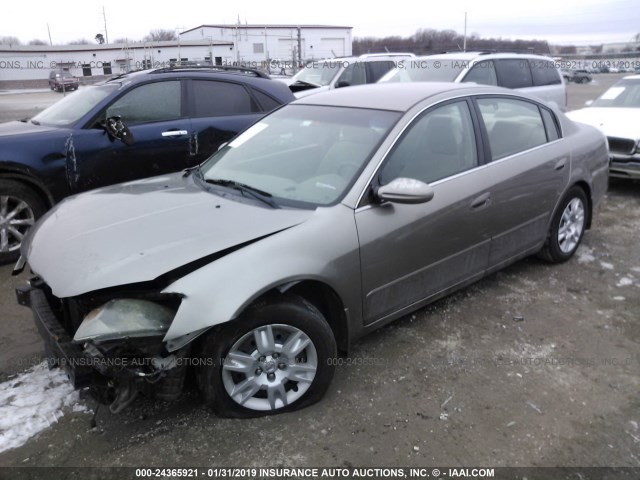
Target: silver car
x=323 y=221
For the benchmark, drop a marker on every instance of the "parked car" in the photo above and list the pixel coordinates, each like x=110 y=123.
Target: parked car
x=133 y=126
x=617 y=113
x=325 y=220
x=62 y=80
x=323 y=75
x=580 y=76
x=527 y=73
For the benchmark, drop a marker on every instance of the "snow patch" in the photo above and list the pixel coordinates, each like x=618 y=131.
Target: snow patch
x=606 y=266
x=624 y=282
x=32 y=402
x=585 y=255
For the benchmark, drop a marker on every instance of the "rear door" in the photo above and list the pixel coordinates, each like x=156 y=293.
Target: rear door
x=530 y=167
x=219 y=110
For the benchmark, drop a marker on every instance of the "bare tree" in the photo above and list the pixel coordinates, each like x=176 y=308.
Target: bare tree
x=99 y=38
x=37 y=41
x=80 y=41
x=428 y=41
x=159 y=35
x=9 y=40
x=123 y=40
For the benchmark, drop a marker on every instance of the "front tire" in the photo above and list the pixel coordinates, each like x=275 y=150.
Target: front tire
x=275 y=358
x=567 y=227
x=20 y=207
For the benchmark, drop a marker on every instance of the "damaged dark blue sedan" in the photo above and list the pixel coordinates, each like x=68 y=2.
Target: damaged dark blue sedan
x=133 y=126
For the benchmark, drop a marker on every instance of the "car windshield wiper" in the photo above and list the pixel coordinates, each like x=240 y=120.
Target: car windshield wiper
x=256 y=193
x=304 y=82
x=35 y=122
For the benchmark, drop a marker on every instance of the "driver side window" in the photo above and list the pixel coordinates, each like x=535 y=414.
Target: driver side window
x=354 y=74
x=437 y=145
x=153 y=102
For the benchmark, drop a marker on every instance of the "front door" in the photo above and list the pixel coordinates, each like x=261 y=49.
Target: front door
x=410 y=253
x=155 y=115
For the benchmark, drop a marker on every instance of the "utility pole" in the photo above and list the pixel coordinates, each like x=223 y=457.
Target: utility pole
x=104 y=17
x=49 y=30
x=299 y=50
x=464 y=44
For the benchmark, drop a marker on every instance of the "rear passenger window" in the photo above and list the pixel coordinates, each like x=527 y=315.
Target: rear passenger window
x=550 y=124
x=514 y=73
x=483 y=73
x=513 y=126
x=266 y=101
x=544 y=73
x=213 y=99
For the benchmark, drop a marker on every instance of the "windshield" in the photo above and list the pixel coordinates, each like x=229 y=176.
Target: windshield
x=624 y=94
x=425 y=70
x=72 y=108
x=302 y=155
x=320 y=73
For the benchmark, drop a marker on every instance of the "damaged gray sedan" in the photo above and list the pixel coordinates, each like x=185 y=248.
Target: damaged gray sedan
x=323 y=221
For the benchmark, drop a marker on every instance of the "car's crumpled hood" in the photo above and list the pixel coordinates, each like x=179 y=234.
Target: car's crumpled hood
x=614 y=122
x=137 y=231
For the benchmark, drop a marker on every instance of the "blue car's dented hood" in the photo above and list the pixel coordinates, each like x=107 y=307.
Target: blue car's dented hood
x=137 y=231
x=9 y=129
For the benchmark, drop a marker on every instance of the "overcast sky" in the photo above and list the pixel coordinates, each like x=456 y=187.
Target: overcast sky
x=558 y=21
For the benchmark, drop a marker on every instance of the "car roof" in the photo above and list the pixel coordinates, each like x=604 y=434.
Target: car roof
x=367 y=57
x=247 y=76
x=473 y=55
x=398 y=97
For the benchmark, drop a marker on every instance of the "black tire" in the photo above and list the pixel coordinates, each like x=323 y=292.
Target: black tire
x=291 y=312
x=556 y=250
x=12 y=193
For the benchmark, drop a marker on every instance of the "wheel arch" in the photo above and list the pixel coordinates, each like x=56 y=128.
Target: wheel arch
x=587 y=191
x=31 y=182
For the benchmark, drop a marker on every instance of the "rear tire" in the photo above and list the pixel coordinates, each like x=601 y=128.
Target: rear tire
x=20 y=207
x=567 y=227
x=274 y=358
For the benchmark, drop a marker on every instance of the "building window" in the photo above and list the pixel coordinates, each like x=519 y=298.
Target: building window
x=106 y=68
x=86 y=70
x=258 y=48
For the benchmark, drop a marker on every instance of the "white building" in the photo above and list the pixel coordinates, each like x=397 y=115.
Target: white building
x=250 y=45
x=29 y=66
x=262 y=43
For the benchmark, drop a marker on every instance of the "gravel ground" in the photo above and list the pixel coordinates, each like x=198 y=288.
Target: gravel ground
x=536 y=365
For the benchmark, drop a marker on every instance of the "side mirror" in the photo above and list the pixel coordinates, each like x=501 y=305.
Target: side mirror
x=588 y=103
x=342 y=83
x=405 y=190
x=117 y=129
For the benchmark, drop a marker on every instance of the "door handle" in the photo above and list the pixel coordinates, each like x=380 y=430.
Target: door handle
x=561 y=164
x=174 y=133
x=481 y=201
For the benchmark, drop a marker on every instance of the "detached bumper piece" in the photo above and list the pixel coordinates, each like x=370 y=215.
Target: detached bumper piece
x=59 y=347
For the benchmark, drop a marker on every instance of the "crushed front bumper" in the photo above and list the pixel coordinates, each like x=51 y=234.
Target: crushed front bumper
x=624 y=165
x=59 y=347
